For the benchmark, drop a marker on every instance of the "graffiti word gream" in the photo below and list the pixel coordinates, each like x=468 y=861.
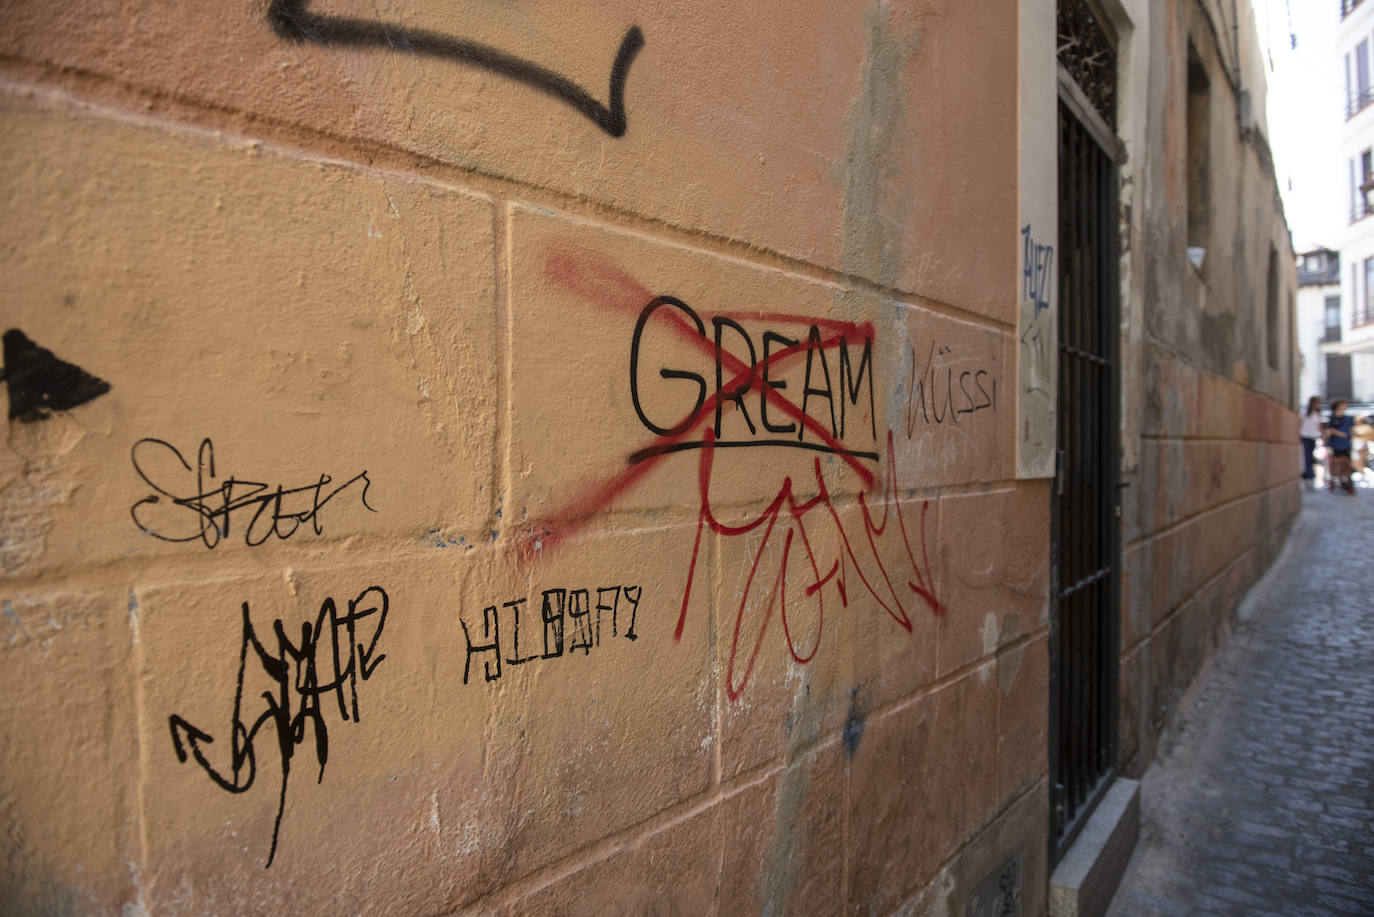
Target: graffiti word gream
x=747 y=371
x=567 y=621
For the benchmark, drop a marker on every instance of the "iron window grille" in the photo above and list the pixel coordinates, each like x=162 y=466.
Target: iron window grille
x=1086 y=52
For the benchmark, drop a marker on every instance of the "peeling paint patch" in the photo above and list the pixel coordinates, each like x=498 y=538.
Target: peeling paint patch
x=30 y=496
x=1009 y=661
x=133 y=615
x=1008 y=667
x=437 y=539
x=1011 y=628
x=139 y=906
x=853 y=723
x=990 y=633
x=26 y=518
x=15 y=633
x=415 y=321
x=40 y=628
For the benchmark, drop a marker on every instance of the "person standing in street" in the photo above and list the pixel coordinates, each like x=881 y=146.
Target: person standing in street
x=1338 y=437
x=1311 y=432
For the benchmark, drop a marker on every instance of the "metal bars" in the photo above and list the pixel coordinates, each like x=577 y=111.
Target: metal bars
x=1085 y=630
x=1087 y=52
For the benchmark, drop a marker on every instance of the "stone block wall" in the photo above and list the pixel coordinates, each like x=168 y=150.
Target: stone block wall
x=1211 y=454
x=515 y=459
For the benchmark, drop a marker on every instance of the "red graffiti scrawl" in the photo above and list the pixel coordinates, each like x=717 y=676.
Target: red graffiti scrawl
x=896 y=586
x=896 y=595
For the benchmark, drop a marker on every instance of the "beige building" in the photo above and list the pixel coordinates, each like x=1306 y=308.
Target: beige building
x=620 y=458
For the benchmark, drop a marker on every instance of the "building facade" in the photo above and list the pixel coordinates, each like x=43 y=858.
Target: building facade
x=1355 y=45
x=1209 y=441
x=619 y=457
x=1324 y=375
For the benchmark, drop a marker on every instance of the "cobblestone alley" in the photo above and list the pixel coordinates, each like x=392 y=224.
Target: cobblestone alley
x=1263 y=803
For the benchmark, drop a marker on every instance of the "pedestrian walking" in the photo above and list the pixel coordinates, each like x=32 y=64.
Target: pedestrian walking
x=1311 y=432
x=1339 y=430
x=1359 y=455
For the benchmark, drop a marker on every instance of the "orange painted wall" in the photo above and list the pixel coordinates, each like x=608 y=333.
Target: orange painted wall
x=410 y=446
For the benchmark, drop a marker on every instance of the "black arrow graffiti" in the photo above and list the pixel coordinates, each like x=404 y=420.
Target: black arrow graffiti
x=291 y=20
x=40 y=383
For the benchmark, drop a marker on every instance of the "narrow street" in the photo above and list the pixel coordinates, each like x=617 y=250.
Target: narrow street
x=1262 y=803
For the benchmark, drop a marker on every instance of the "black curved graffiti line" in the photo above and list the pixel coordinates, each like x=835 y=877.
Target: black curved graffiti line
x=291 y=20
x=302 y=676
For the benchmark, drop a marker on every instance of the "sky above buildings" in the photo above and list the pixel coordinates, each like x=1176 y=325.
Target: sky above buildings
x=1305 y=112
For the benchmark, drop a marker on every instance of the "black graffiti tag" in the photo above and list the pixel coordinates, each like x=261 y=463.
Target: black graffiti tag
x=40 y=383
x=334 y=647
x=272 y=511
x=291 y=20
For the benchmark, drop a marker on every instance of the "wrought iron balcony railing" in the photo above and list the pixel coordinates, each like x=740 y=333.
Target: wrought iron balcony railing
x=1358 y=102
x=1363 y=207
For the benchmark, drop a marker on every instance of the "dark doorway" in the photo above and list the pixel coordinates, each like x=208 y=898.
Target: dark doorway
x=1085 y=629
x=1338 y=377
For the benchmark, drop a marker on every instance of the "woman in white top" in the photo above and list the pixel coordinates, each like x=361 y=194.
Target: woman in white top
x=1311 y=432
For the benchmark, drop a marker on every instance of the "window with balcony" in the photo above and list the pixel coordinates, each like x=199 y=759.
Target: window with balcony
x=1362 y=313
x=1361 y=75
x=1333 y=320
x=1359 y=93
x=1367 y=182
x=1362 y=186
x=1354 y=289
x=1198 y=151
x=1271 y=310
x=1348 y=7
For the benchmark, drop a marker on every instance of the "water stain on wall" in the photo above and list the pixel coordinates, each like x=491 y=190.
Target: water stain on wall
x=783 y=863
x=872 y=226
